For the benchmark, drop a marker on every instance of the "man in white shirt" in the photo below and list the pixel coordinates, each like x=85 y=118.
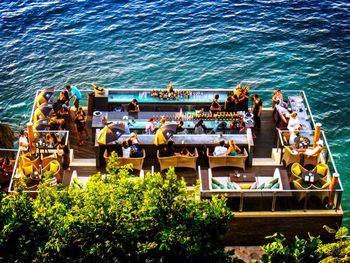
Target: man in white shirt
x=220 y=150
x=293 y=123
x=23 y=141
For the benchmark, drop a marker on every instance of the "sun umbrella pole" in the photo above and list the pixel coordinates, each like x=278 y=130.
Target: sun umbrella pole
x=30 y=136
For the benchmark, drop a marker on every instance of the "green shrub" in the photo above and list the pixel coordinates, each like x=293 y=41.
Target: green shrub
x=115 y=218
x=300 y=250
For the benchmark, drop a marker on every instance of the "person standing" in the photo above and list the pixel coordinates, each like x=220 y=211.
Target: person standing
x=80 y=127
x=243 y=101
x=215 y=106
x=66 y=165
x=23 y=141
x=133 y=106
x=257 y=110
x=150 y=126
x=229 y=104
x=75 y=92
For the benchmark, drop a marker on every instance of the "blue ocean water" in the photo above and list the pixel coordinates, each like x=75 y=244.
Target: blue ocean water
x=196 y=44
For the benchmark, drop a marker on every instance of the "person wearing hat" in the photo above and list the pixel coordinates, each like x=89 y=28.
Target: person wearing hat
x=312 y=151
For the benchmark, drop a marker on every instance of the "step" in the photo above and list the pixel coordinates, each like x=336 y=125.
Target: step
x=265 y=162
x=83 y=162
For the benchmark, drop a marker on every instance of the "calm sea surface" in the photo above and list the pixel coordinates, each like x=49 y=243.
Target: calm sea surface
x=196 y=44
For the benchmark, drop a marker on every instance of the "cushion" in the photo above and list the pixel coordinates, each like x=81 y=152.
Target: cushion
x=276 y=173
x=271 y=183
x=230 y=186
x=28 y=169
x=220 y=185
x=274 y=181
x=296 y=170
x=254 y=185
x=54 y=167
x=76 y=181
x=326 y=185
x=261 y=186
x=322 y=170
x=214 y=181
x=245 y=186
x=276 y=186
x=268 y=185
x=214 y=186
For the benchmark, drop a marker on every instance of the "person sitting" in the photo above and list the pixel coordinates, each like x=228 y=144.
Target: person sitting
x=134 y=139
x=7 y=166
x=243 y=128
x=133 y=106
x=180 y=129
x=150 y=126
x=51 y=140
x=294 y=139
x=135 y=148
x=126 y=149
x=185 y=152
x=312 y=151
x=199 y=127
x=220 y=150
x=168 y=149
x=235 y=125
x=293 y=123
x=215 y=105
x=162 y=121
x=233 y=149
x=219 y=128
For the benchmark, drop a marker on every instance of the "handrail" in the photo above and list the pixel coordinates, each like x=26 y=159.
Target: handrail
x=13 y=172
x=34 y=104
x=309 y=109
x=331 y=157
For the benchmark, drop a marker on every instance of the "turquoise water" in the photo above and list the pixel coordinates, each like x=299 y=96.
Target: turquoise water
x=195 y=44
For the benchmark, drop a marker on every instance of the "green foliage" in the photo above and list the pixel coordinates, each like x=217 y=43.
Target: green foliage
x=312 y=250
x=20 y=233
x=300 y=250
x=115 y=218
x=113 y=164
x=338 y=251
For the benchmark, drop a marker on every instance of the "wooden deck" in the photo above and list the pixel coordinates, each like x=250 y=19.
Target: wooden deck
x=289 y=218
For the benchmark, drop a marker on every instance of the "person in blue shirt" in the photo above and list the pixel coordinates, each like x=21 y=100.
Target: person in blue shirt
x=74 y=93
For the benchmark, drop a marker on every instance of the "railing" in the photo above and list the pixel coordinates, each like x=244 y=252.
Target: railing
x=13 y=155
x=275 y=200
x=39 y=135
x=326 y=157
